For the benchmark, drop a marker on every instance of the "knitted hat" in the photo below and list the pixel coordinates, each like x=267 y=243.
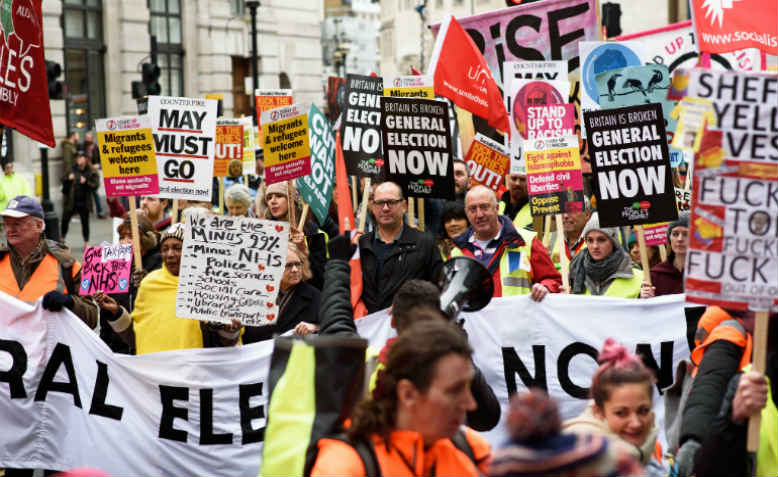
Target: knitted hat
x=594 y=224
x=175 y=231
x=276 y=188
x=683 y=221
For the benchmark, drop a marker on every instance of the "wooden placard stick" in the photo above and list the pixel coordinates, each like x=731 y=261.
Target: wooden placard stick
x=363 y=205
x=290 y=203
x=758 y=365
x=563 y=261
x=303 y=216
x=221 y=195
x=547 y=230
x=354 y=191
x=662 y=252
x=135 y=235
x=643 y=253
x=421 y=214
x=411 y=211
x=173 y=211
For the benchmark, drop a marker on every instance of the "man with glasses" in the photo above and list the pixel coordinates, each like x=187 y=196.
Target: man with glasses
x=517 y=260
x=393 y=252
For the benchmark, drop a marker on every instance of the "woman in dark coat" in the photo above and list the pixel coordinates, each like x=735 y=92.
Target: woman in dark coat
x=298 y=302
x=667 y=277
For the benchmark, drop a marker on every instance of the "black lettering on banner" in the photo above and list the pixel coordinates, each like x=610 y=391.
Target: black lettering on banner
x=207 y=436
x=512 y=365
x=557 y=41
x=663 y=372
x=99 y=407
x=14 y=375
x=249 y=413
x=170 y=412
x=61 y=355
x=563 y=368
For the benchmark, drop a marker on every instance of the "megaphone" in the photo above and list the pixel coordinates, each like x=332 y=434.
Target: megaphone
x=466 y=286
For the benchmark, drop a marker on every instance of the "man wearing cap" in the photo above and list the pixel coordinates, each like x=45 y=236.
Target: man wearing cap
x=153 y=325
x=514 y=203
x=33 y=267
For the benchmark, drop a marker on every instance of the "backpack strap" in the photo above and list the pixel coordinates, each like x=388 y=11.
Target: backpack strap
x=460 y=442
x=365 y=451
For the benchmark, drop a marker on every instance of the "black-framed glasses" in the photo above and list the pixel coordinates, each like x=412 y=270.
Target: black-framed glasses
x=390 y=202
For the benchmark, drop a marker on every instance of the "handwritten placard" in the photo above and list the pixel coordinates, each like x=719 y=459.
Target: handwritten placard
x=106 y=269
x=231 y=267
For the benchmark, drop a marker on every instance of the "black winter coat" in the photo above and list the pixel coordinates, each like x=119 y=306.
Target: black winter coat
x=303 y=306
x=415 y=256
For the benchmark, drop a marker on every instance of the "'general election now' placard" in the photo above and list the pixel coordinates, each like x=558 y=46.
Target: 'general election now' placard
x=631 y=165
x=287 y=150
x=360 y=130
x=127 y=156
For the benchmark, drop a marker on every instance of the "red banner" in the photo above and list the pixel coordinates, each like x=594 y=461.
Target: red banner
x=24 y=93
x=729 y=25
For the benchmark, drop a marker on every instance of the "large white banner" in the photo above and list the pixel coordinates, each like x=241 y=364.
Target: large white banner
x=67 y=401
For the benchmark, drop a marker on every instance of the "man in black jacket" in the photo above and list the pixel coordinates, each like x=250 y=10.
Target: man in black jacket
x=393 y=253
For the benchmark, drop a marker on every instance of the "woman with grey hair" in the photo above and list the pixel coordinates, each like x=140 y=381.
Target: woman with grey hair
x=237 y=199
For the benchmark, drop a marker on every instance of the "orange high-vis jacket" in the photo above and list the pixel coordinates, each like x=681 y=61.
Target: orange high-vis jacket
x=716 y=324
x=46 y=277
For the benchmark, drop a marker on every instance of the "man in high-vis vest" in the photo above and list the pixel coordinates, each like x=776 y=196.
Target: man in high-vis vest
x=517 y=260
x=573 y=224
x=33 y=267
x=515 y=201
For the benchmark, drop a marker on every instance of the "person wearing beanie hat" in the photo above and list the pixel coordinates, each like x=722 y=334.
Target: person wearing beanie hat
x=634 y=252
x=667 y=277
x=153 y=325
x=603 y=268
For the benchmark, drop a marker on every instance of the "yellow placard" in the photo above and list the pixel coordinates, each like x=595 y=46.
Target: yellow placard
x=127 y=153
x=287 y=150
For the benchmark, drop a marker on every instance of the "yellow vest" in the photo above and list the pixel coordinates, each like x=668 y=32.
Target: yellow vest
x=624 y=287
x=523 y=217
x=767 y=454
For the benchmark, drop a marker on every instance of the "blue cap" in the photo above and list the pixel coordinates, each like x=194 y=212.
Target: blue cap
x=22 y=206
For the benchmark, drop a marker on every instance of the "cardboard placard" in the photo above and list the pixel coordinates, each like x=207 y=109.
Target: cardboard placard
x=409 y=87
x=231 y=267
x=550 y=121
x=127 y=156
x=692 y=114
x=683 y=199
x=631 y=165
x=184 y=138
x=316 y=187
x=360 y=129
x=656 y=234
x=106 y=268
x=554 y=178
x=265 y=100
x=229 y=145
x=487 y=162
x=287 y=150
x=249 y=145
x=417 y=146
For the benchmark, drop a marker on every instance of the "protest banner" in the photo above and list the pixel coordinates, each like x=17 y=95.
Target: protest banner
x=205 y=410
x=106 y=268
x=732 y=25
x=229 y=145
x=409 y=87
x=316 y=187
x=360 y=128
x=550 y=121
x=231 y=267
x=265 y=100
x=127 y=156
x=417 y=146
x=554 y=179
x=24 y=90
x=249 y=145
x=631 y=164
x=487 y=162
x=287 y=149
x=184 y=139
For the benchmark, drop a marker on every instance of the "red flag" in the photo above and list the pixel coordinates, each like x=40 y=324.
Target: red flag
x=346 y=222
x=24 y=94
x=460 y=74
x=728 y=25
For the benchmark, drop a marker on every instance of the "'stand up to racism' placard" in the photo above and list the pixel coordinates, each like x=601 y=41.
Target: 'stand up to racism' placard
x=631 y=165
x=106 y=269
x=231 y=267
x=360 y=131
x=127 y=156
x=554 y=178
x=417 y=146
x=287 y=150
x=184 y=138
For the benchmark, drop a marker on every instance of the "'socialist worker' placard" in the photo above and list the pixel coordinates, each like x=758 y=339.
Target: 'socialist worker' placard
x=231 y=267
x=487 y=162
x=360 y=131
x=229 y=145
x=631 y=165
x=287 y=150
x=417 y=146
x=127 y=156
x=267 y=99
x=409 y=87
x=733 y=232
x=554 y=179
x=184 y=138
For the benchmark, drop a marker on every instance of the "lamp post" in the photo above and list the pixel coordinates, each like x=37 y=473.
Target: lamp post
x=420 y=9
x=253 y=5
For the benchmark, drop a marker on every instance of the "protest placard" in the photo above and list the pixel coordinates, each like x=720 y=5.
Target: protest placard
x=630 y=161
x=287 y=150
x=316 y=187
x=691 y=114
x=600 y=56
x=249 y=145
x=487 y=162
x=106 y=268
x=746 y=24
x=409 y=87
x=683 y=199
x=655 y=234
x=336 y=90
x=265 y=100
x=229 y=145
x=231 y=267
x=550 y=121
x=417 y=146
x=184 y=138
x=360 y=128
x=554 y=179
x=127 y=156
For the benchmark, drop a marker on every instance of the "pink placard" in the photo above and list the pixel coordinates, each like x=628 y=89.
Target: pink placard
x=131 y=186
x=288 y=170
x=656 y=234
x=106 y=269
x=553 y=120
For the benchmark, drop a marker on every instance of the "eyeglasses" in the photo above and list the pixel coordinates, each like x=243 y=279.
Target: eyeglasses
x=390 y=202
x=291 y=265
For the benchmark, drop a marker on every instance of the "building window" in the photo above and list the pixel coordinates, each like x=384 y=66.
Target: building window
x=84 y=73
x=165 y=24
x=237 y=7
